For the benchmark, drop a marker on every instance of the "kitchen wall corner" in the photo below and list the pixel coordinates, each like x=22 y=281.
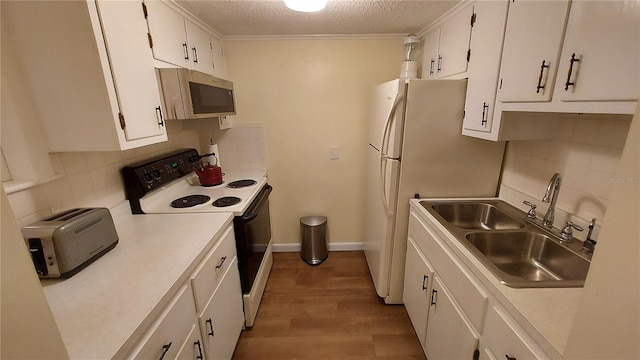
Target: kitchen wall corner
x=90 y=179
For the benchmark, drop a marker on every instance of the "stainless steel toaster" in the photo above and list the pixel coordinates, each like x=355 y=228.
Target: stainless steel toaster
x=67 y=242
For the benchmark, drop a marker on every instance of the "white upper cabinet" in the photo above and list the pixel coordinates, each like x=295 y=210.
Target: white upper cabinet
x=484 y=64
x=531 y=49
x=219 y=63
x=199 y=48
x=132 y=69
x=90 y=70
x=603 y=39
x=430 y=54
x=445 y=47
x=455 y=34
x=168 y=34
x=177 y=40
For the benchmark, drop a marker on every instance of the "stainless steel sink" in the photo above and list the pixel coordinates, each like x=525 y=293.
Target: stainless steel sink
x=518 y=252
x=476 y=216
x=530 y=256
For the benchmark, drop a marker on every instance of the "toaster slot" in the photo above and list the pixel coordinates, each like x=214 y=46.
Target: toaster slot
x=37 y=255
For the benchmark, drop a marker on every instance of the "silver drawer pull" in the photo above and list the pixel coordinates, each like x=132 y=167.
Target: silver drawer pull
x=222 y=260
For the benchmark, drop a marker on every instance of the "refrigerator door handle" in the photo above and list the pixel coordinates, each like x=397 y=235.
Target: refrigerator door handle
x=383 y=156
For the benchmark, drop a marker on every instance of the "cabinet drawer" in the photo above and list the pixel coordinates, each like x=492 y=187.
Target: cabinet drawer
x=466 y=290
x=168 y=333
x=502 y=337
x=215 y=264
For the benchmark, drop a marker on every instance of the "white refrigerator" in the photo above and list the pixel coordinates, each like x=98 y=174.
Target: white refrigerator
x=416 y=148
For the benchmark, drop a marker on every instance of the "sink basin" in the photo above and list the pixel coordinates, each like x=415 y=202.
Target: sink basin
x=529 y=257
x=476 y=215
x=519 y=252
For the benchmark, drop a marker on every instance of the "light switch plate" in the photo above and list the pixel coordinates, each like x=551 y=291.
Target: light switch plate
x=334 y=152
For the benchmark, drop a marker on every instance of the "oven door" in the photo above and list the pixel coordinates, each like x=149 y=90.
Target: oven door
x=253 y=233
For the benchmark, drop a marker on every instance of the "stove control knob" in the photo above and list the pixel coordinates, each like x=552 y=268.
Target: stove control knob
x=147 y=177
x=156 y=174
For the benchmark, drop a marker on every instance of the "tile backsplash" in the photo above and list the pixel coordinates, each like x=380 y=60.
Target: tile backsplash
x=93 y=179
x=585 y=151
x=242 y=148
x=90 y=179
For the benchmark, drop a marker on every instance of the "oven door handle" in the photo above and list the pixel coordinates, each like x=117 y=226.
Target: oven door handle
x=257 y=203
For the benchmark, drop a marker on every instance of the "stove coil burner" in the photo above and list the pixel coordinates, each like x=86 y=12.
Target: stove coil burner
x=241 y=183
x=189 y=201
x=212 y=185
x=226 y=201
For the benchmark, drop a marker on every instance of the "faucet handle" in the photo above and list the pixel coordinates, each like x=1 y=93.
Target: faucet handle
x=532 y=212
x=567 y=233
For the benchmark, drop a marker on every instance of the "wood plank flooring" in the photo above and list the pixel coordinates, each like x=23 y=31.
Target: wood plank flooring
x=327 y=311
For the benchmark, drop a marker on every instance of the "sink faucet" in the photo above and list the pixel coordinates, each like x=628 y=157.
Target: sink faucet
x=551 y=195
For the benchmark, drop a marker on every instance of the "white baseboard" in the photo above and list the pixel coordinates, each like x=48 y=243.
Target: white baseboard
x=350 y=246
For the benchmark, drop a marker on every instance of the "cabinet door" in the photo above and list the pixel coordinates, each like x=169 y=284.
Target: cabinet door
x=170 y=330
x=223 y=318
x=484 y=65
x=418 y=277
x=430 y=54
x=503 y=338
x=168 y=33
x=219 y=63
x=193 y=348
x=605 y=38
x=449 y=335
x=199 y=48
x=531 y=50
x=132 y=68
x=455 y=35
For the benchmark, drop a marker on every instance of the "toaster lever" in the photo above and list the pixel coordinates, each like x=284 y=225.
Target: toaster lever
x=37 y=255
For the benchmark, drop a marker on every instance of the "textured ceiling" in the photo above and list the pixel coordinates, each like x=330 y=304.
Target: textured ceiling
x=340 y=17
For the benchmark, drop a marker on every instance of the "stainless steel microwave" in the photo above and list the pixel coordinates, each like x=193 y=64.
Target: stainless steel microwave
x=189 y=94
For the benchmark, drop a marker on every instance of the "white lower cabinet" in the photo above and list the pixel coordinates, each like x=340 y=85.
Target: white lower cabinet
x=222 y=319
x=503 y=338
x=454 y=315
x=449 y=333
x=205 y=318
x=192 y=349
x=170 y=329
x=417 y=290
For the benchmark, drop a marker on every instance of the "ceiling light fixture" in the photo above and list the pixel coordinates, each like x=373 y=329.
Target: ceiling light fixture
x=306 y=5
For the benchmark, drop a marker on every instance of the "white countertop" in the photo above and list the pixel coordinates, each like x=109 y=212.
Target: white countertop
x=103 y=305
x=547 y=313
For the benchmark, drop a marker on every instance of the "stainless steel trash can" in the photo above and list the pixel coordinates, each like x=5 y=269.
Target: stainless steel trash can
x=313 y=232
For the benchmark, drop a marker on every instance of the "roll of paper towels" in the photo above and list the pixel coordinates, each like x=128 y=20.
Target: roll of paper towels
x=213 y=148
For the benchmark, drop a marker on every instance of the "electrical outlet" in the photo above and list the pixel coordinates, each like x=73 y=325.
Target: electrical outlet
x=334 y=152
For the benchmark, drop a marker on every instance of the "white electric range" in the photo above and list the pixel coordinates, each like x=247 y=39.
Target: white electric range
x=186 y=195
x=168 y=185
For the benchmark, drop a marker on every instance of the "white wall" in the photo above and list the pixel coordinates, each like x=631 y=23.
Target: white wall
x=311 y=94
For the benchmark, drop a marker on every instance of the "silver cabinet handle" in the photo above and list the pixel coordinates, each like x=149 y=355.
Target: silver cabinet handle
x=434 y=296
x=425 y=280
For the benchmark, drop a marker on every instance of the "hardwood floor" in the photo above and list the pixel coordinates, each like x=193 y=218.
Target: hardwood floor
x=327 y=311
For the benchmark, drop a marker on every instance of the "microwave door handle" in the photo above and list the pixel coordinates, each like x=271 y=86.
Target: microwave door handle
x=384 y=157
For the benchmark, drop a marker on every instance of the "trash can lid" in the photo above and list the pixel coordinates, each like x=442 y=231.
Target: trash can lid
x=313 y=220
